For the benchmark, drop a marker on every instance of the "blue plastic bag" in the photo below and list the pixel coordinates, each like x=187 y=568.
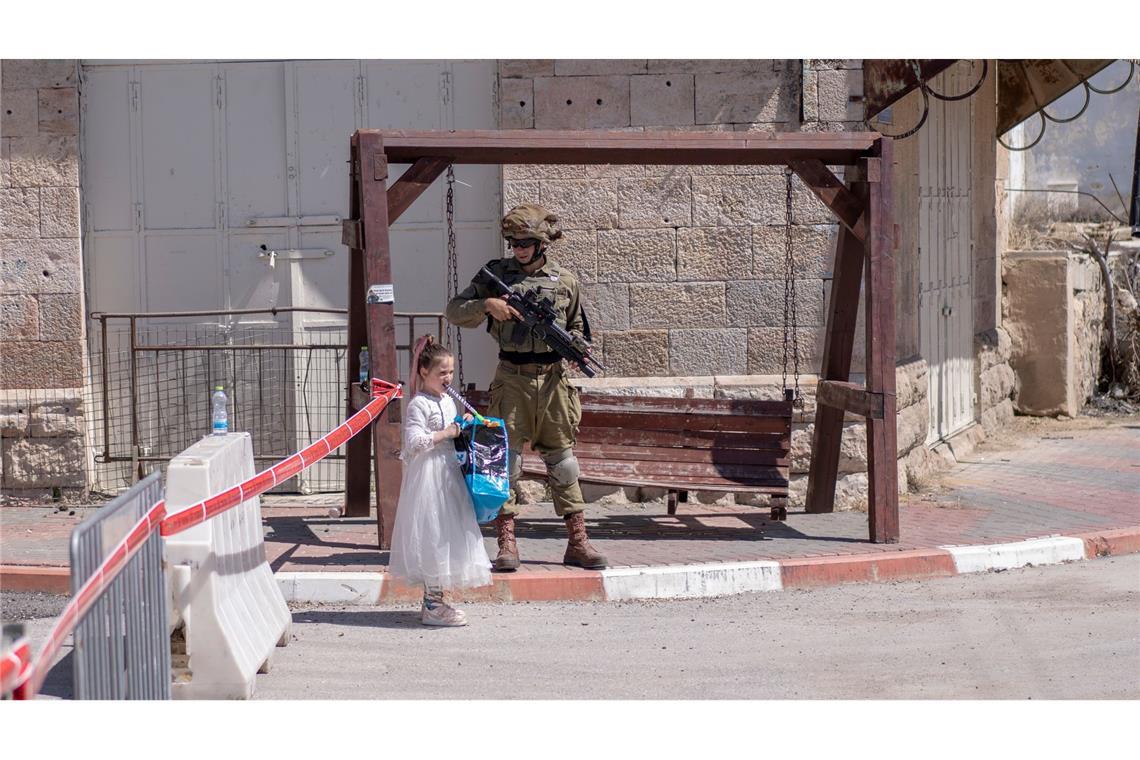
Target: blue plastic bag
x=483 y=453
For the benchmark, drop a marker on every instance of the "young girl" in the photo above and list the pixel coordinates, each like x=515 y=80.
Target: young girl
x=436 y=540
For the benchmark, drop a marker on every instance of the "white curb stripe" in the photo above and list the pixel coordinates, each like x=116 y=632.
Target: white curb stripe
x=1035 y=551
x=681 y=581
x=331 y=588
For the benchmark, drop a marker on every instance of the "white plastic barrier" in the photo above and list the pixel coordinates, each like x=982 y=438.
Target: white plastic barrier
x=222 y=591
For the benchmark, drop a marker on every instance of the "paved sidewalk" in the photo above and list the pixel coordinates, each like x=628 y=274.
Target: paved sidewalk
x=1059 y=480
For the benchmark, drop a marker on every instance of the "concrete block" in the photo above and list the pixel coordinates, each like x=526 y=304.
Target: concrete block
x=713 y=253
x=577 y=250
x=607 y=306
x=35 y=73
x=44 y=463
x=1035 y=551
x=734 y=98
x=677 y=305
x=583 y=204
x=760 y=303
x=516 y=104
x=813 y=247
x=655 y=202
x=599 y=67
x=637 y=256
x=45 y=161
x=581 y=102
x=708 y=352
x=20 y=114
x=60 y=316
x=727 y=201
x=707 y=66
x=59 y=111
x=57 y=417
x=19 y=318
x=526 y=68
x=661 y=100
x=59 y=212
x=637 y=353
x=766 y=350
x=41 y=364
x=19 y=212
x=50 y=265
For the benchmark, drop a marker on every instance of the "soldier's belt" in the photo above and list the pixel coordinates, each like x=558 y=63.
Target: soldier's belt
x=528 y=370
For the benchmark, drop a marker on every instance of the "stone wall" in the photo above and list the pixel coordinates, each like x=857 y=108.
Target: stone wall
x=41 y=281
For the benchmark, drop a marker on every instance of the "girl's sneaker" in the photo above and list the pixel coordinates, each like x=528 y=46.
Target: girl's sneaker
x=443 y=615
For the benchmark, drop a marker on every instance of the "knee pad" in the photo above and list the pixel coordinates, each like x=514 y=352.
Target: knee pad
x=514 y=464
x=562 y=467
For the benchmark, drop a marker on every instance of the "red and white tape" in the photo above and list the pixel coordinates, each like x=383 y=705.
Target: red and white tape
x=12 y=665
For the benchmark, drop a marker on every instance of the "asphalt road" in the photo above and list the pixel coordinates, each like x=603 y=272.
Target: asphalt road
x=1059 y=632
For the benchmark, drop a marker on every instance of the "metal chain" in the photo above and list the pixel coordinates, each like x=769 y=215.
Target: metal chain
x=453 y=275
x=791 y=332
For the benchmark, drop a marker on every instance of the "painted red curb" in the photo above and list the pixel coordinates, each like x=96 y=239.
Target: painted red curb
x=1109 y=542
x=537 y=586
x=50 y=580
x=893 y=566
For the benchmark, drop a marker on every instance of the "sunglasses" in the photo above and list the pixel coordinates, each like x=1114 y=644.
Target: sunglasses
x=521 y=243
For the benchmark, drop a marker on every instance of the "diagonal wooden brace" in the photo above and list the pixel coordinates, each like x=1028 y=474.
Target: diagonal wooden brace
x=834 y=194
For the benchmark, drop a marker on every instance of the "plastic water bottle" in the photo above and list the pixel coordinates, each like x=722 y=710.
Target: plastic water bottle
x=364 y=366
x=221 y=416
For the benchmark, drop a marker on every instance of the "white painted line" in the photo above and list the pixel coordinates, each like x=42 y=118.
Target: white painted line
x=688 y=581
x=330 y=588
x=1035 y=551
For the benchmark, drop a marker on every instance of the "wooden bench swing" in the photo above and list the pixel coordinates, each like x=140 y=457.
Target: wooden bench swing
x=676 y=444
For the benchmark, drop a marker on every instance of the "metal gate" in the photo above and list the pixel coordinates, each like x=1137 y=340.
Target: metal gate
x=219 y=186
x=945 y=294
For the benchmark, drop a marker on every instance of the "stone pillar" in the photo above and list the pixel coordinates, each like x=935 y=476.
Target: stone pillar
x=42 y=368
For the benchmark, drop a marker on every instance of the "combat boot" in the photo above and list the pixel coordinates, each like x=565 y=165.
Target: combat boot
x=508 y=559
x=579 y=553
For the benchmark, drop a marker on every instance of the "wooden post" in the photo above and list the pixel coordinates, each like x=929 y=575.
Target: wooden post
x=379 y=308
x=358 y=450
x=882 y=464
x=838 y=343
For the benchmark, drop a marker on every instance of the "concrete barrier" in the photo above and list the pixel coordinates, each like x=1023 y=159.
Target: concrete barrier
x=227 y=611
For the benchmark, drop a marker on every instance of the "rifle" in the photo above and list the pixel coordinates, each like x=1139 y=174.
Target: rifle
x=538 y=315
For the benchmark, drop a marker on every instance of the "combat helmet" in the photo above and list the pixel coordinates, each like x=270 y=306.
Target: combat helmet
x=531 y=221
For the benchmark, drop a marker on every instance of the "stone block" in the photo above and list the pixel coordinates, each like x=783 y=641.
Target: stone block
x=834 y=63
x=599 y=66
x=637 y=353
x=572 y=171
x=840 y=94
x=661 y=100
x=60 y=316
x=760 y=303
x=5 y=162
x=44 y=463
x=15 y=414
x=806 y=207
x=583 y=204
x=911 y=383
x=59 y=212
x=992 y=347
x=19 y=212
x=526 y=68
x=921 y=465
x=38 y=72
x=41 y=364
x=50 y=265
x=850 y=492
x=810 y=97
x=813 y=248
x=663 y=202
x=637 y=256
x=996 y=385
x=727 y=201
x=516 y=192
x=677 y=305
x=710 y=66
x=577 y=250
x=735 y=98
x=603 y=493
x=19 y=318
x=766 y=350
x=852 y=448
x=529 y=490
x=713 y=253
x=516 y=104
x=57 y=418
x=912 y=423
x=20 y=113
x=998 y=417
x=45 y=161
x=607 y=306
x=708 y=352
x=59 y=111
x=581 y=102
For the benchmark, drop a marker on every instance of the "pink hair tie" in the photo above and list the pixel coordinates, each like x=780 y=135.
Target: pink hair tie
x=414 y=380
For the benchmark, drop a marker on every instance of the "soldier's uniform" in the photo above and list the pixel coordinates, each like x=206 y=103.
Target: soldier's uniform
x=530 y=391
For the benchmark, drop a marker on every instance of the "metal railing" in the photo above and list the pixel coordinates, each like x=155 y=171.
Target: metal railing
x=122 y=644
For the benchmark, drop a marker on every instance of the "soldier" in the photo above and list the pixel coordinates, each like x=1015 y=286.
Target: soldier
x=530 y=390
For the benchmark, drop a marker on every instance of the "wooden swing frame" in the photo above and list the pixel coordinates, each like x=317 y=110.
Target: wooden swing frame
x=864 y=257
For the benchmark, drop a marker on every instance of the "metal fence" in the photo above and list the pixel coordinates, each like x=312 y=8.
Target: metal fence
x=122 y=644
x=284 y=372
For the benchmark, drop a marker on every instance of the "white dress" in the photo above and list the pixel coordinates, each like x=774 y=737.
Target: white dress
x=436 y=539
